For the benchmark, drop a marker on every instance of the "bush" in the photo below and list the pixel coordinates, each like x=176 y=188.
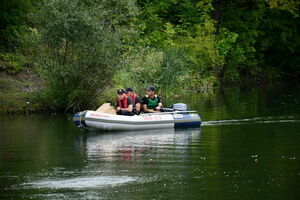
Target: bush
x=12 y=62
x=78 y=46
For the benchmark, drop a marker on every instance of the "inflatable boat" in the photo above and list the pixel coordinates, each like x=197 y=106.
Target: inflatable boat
x=99 y=120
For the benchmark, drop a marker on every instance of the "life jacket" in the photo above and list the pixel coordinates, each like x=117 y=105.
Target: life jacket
x=152 y=103
x=123 y=103
x=133 y=97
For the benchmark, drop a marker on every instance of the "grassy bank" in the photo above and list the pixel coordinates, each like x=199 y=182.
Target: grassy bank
x=18 y=83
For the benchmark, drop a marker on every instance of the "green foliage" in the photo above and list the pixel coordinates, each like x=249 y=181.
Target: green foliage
x=85 y=50
x=184 y=34
x=292 y=6
x=12 y=63
x=161 y=21
x=165 y=69
x=249 y=35
x=239 y=52
x=265 y=42
x=280 y=45
x=174 y=71
x=237 y=42
x=13 y=21
x=204 y=59
x=79 y=48
x=140 y=68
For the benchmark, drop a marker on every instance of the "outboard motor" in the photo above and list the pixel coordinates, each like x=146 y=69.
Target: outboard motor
x=180 y=107
x=185 y=118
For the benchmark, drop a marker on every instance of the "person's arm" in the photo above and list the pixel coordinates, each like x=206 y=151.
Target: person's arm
x=138 y=104
x=129 y=109
x=144 y=104
x=160 y=105
x=138 y=107
x=146 y=109
x=130 y=105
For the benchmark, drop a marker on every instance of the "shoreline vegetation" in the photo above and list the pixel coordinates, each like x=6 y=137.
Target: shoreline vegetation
x=71 y=55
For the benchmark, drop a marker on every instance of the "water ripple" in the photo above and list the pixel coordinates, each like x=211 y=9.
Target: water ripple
x=258 y=120
x=81 y=182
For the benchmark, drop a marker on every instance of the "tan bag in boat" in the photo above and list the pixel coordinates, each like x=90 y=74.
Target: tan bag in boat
x=107 y=108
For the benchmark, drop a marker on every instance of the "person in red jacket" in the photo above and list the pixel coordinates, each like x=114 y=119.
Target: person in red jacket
x=124 y=104
x=136 y=100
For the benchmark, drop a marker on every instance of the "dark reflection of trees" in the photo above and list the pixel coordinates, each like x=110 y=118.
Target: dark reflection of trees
x=241 y=102
x=35 y=143
x=36 y=147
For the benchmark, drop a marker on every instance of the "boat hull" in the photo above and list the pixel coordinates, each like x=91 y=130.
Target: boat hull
x=103 y=121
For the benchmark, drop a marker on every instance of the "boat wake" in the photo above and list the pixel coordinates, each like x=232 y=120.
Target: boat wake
x=257 y=120
x=81 y=182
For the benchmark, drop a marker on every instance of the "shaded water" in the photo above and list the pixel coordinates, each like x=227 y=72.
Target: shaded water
x=248 y=147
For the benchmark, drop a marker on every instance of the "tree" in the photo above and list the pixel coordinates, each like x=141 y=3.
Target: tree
x=79 y=47
x=290 y=5
x=13 y=21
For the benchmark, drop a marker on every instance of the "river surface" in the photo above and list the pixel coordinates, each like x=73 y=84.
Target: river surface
x=248 y=147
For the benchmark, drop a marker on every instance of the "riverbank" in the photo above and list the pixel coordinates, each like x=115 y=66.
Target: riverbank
x=16 y=91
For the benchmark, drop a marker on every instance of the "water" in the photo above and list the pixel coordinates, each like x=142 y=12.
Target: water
x=247 y=148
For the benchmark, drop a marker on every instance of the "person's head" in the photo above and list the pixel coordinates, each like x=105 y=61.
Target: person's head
x=121 y=94
x=129 y=91
x=150 y=90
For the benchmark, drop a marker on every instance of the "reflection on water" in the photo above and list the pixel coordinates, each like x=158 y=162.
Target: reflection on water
x=113 y=159
x=247 y=148
x=134 y=145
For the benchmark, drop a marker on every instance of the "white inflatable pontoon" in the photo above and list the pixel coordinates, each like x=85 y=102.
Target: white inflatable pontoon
x=104 y=121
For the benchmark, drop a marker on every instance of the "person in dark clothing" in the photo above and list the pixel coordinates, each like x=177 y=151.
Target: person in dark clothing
x=125 y=104
x=136 y=100
x=151 y=102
